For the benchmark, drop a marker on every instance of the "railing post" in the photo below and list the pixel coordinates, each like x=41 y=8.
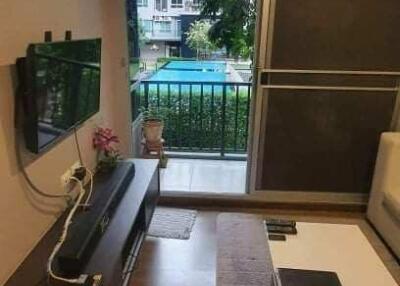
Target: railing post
x=146 y=95
x=223 y=120
x=169 y=96
x=236 y=118
x=201 y=116
x=212 y=114
x=247 y=115
x=190 y=143
x=134 y=105
x=179 y=129
x=158 y=96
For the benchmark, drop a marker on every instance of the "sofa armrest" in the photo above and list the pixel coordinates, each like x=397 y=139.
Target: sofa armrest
x=392 y=205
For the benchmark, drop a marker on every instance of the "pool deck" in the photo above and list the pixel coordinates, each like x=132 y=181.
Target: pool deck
x=233 y=75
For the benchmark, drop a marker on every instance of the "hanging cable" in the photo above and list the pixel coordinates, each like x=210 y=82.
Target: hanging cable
x=86 y=204
x=20 y=164
x=78 y=147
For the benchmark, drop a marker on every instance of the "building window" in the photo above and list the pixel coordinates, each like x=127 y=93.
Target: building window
x=142 y=3
x=165 y=27
x=162 y=5
x=176 y=3
x=147 y=25
x=174 y=51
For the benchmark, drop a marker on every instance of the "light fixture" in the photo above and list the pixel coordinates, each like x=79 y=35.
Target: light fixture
x=154 y=47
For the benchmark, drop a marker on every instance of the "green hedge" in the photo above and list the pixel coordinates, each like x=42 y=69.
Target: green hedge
x=195 y=122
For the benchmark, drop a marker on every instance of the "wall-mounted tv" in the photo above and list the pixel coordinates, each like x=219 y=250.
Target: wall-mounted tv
x=62 y=89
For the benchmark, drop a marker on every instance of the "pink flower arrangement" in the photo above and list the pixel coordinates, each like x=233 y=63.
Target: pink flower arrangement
x=104 y=141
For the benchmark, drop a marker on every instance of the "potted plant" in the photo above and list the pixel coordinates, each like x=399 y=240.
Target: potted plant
x=153 y=123
x=108 y=155
x=153 y=119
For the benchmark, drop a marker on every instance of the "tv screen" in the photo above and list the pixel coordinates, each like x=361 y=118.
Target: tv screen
x=63 y=89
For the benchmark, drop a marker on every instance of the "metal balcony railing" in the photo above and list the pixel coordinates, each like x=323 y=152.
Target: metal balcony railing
x=200 y=117
x=163 y=30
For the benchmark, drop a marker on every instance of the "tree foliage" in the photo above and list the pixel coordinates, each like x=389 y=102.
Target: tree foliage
x=198 y=38
x=234 y=25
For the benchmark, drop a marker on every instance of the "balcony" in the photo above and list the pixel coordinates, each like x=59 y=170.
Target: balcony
x=205 y=119
x=164 y=30
x=203 y=176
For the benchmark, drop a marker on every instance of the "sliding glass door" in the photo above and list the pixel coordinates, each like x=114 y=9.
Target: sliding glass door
x=328 y=88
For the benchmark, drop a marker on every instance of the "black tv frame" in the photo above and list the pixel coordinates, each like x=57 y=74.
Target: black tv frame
x=26 y=104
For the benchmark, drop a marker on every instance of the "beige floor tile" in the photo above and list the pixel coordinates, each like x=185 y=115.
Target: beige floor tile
x=177 y=176
x=210 y=176
x=218 y=178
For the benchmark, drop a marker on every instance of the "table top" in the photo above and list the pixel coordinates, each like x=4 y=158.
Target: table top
x=332 y=247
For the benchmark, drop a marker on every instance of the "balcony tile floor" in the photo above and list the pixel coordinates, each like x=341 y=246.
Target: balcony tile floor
x=204 y=176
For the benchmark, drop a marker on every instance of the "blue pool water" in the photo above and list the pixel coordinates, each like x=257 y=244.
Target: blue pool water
x=196 y=65
x=185 y=75
x=193 y=71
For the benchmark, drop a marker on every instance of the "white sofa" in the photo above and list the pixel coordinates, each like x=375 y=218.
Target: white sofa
x=384 y=204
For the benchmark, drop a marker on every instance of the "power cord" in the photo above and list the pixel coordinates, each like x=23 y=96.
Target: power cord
x=86 y=204
x=78 y=147
x=83 y=279
x=64 y=236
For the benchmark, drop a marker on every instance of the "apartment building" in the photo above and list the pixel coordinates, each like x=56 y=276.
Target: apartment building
x=164 y=23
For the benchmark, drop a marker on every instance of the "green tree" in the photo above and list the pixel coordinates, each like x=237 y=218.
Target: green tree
x=198 y=38
x=234 y=25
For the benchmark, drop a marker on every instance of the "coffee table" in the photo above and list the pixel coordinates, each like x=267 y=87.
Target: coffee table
x=332 y=247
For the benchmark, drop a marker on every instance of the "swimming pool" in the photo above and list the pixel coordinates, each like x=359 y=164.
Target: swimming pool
x=191 y=71
x=196 y=65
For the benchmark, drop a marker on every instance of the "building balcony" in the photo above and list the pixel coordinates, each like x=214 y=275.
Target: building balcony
x=163 y=30
x=162 y=35
x=205 y=132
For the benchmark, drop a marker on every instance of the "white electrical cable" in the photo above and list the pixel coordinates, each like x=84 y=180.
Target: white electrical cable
x=64 y=236
x=86 y=204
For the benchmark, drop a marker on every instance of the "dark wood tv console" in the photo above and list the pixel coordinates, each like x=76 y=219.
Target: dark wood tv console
x=115 y=253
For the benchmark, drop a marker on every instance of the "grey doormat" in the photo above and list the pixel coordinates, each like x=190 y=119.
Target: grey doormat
x=172 y=223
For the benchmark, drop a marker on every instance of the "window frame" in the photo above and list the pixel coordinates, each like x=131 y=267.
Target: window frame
x=176 y=4
x=142 y=3
x=165 y=24
x=147 y=25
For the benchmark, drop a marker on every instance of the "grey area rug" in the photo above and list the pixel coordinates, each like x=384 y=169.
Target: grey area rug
x=243 y=256
x=172 y=223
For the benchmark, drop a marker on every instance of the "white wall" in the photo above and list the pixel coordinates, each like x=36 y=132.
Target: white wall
x=25 y=217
